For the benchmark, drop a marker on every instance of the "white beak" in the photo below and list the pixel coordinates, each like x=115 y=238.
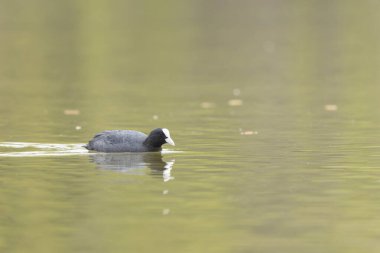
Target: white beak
x=167 y=135
x=169 y=141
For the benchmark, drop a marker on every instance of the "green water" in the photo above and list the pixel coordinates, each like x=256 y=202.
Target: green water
x=273 y=106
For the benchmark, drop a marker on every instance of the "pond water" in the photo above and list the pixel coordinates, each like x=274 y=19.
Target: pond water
x=273 y=106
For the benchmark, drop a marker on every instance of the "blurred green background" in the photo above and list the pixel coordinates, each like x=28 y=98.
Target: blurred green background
x=274 y=104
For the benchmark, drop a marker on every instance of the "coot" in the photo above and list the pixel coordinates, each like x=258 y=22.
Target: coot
x=130 y=141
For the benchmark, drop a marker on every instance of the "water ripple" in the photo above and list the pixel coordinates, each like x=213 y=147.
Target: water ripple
x=43 y=149
x=50 y=149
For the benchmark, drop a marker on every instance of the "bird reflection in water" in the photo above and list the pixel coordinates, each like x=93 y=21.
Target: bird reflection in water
x=134 y=163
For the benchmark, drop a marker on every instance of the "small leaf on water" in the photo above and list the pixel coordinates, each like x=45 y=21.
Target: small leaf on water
x=207 y=105
x=235 y=102
x=331 y=108
x=248 y=132
x=71 y=112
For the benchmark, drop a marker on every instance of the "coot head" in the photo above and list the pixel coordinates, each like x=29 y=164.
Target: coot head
x=159 y=137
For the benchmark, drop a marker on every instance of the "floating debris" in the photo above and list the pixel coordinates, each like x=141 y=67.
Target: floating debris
x=71 y=112
x=236 y=92
x=207 y=105
x=331 y=108
x=165 y=211
x=235 y=102
x=155 y=117
x=249 y=132
x=78 y=128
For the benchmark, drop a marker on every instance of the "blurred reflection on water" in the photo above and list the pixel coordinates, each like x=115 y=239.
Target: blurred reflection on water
x=134 y=163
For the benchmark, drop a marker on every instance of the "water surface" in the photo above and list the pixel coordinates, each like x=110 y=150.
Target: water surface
x=273 y=106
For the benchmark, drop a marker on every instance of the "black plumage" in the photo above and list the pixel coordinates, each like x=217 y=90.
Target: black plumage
x=129 y=141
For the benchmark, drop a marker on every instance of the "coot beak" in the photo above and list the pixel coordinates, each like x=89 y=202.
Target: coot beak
x=169 y=141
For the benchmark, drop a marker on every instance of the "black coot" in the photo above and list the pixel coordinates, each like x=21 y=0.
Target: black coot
x=130 y=141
